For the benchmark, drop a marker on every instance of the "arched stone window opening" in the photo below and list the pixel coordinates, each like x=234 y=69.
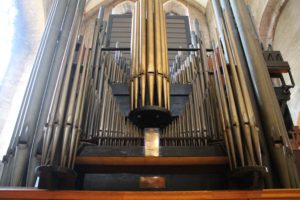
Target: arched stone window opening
x=175 y=8
x=125 y=7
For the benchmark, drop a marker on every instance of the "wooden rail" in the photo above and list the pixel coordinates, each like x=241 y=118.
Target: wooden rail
x=190 y=195
x=126 y=161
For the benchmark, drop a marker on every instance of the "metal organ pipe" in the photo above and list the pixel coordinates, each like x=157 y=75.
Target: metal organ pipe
x=150 y=67
x=269 y=109
x=75 y=88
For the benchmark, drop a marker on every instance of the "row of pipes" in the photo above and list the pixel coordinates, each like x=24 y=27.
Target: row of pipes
x=69 y=96
x=149 y=72
x=68 y=99
x=252 y=112
x=56 y=51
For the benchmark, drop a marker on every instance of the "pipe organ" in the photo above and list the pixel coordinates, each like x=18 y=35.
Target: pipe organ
x=210 y=120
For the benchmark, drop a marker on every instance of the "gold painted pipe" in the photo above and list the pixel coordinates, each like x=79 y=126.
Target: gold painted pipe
x=164 y=52
x=132 y=59
x=143 y=53
x=159 y=52
x=137 y=51
x=166 y=58
x=150 y=52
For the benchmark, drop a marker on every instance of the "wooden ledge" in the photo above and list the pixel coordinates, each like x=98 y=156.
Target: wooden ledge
x=190 y=195
x=151 y=161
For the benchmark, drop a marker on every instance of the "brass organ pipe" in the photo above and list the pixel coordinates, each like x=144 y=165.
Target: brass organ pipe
x=137 y=58
x=251 y=134
x=246 y=87
x=265 y=95
x=232 y=108
x=226 y=118
x=201 y=108
x=159 y=53
x=242 y=108
x=150 y=52
x=165 y=58
x=132 y=63
x=143 y=61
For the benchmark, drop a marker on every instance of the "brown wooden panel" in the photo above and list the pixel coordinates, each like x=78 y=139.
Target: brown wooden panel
x=148 y=195
x=96 y=160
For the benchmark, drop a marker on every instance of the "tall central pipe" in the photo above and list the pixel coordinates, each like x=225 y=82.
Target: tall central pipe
x=149 y=86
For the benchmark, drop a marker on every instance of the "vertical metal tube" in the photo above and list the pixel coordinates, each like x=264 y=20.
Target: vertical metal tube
x=246 y=84
x=274 y=125
x=69 y=118
x=166 y=81
x=143 y=56
x=78 y=113
x=219 y=20
x=137 y=56
x=132 y=52
x=36 y=93
x=59 y=114
x=150 y=52
x=159 y=52
x=5 y=178
x=65 y=32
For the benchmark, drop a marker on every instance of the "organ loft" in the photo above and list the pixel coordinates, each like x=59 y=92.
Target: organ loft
x=149 y=100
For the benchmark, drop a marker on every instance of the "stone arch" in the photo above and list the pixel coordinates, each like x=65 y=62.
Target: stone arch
x=269 y=20
x=286 y=40
x=175 y=7
x=124 y=7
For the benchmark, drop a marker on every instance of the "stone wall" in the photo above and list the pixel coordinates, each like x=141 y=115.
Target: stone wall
x=287 y=40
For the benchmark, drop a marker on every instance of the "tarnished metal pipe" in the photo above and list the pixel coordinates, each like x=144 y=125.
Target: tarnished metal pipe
x=276 y=133
x=35 y=95
x=65 y=32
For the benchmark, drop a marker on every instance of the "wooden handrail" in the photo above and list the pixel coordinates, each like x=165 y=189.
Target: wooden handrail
x=146 y=161
x=14 y=194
